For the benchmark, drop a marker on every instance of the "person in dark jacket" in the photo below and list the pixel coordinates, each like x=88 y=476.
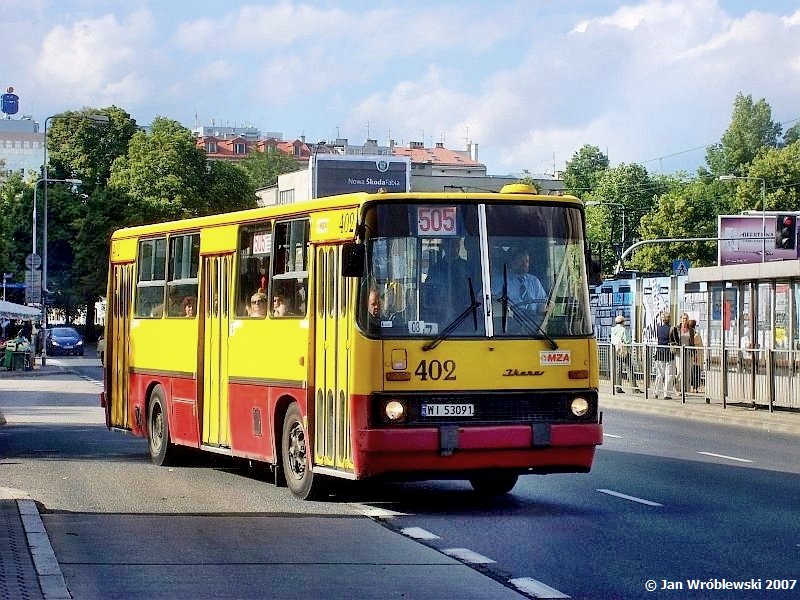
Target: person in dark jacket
x=668 y=339
x=27 y=330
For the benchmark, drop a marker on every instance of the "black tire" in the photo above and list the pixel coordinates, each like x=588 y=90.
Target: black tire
x=162 y=450
x=494 y=484
x=296 y=458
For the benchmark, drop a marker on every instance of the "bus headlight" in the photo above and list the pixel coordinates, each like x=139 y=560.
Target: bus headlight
x=394 y=410
x=579 y=406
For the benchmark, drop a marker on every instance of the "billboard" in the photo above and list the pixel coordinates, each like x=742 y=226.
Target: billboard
x=742 y=241
x=333 y=174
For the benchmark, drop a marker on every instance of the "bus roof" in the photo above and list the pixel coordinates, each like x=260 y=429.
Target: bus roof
x=331 y=203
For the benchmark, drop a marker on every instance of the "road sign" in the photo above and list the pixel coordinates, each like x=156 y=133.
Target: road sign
x=33 y=261
x=33 y=287
x=680 y=267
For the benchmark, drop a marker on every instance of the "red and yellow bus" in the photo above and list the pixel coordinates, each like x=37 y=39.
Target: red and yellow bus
x=419 y=336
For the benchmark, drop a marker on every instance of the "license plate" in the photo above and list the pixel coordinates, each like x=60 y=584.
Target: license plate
x=448 y=410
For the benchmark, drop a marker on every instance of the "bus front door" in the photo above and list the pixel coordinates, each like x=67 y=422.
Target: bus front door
x=215 y=305
x=332 y=442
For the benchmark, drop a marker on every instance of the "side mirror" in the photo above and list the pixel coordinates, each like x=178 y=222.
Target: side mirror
x=353 y=260
x=595 y=268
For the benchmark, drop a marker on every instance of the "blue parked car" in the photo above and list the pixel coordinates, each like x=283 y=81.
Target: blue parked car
x=64 y=340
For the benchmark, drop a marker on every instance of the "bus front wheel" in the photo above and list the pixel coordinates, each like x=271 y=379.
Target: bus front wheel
x=161 y=447
x=494 y=484
x=296 y=457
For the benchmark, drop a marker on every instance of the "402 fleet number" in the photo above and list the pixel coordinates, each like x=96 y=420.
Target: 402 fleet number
x=436 y=370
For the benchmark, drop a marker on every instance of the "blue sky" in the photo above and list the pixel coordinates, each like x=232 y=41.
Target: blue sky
x=529 y=81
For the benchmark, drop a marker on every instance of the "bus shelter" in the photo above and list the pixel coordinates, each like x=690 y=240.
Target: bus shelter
x=753 y=335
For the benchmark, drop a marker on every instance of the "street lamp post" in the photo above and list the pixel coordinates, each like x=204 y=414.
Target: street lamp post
x=96 y=118
x=763 y=207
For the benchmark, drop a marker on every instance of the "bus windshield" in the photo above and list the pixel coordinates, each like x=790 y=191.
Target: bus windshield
x=475 y=270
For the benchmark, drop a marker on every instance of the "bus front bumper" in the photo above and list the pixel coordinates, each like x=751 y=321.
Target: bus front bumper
x=542 y=448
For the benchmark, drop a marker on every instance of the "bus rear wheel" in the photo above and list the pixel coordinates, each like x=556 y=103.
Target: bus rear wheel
x=494 y=484
x=296 y=458
x=162 y=450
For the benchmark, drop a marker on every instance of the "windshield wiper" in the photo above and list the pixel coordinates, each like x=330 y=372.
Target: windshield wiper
x=473 y=308
x=520 y=314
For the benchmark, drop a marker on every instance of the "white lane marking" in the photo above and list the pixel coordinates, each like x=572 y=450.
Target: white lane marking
x=631 y=498
x=611 y=435
x=466 y=555
x=418 y=533
x=535 y=588
x=726 y=457
x=376 y=512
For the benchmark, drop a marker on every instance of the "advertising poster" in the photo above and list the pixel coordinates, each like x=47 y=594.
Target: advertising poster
x=747 y=245
x=334 y=174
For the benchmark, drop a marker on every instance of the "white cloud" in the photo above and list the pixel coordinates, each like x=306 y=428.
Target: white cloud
x=97 y=61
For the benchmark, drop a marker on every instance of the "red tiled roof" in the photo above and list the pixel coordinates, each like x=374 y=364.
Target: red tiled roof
x=437 y=156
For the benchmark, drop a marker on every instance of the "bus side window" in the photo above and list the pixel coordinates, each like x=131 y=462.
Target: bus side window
x=290 y=275
x=151 y=281
x=254 y=252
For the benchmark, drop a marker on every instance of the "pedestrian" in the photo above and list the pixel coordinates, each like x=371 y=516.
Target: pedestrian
x=685 y=339
x=695 y=358
x=668 y=341
x=27 y=330
x=623 y=356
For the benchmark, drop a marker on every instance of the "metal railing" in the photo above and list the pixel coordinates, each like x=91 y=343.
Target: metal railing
x=757 y=377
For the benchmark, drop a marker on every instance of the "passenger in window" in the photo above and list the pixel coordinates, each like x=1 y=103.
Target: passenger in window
x=189 y=306
x=258 y=304
x=280 y=307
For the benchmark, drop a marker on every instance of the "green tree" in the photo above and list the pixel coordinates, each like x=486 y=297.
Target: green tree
x=15 y=244
x=751 y=132
x=622 y=193
x=79 y=147
x=792 y=135
x=82 y=148
x=263 y=168
x=163 y=174
x=685 y=210
x=228 y=188
x=582 y=172
x=780 y=170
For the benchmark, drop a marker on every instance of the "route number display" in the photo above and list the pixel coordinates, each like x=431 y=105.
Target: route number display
x=436 y=220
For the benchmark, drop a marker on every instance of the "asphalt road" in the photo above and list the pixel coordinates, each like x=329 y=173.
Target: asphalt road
x=673 y=502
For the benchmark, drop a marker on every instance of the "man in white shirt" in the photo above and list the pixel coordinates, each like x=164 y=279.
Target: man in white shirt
x=623 y=357
x=524 y=290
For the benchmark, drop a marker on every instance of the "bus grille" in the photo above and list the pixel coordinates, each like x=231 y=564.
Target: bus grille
x=499 y=407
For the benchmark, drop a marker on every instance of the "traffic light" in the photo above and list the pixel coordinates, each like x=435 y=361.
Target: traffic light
x=786 y=232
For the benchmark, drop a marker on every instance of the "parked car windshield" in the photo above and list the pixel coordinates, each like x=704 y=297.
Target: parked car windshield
x=65 y=332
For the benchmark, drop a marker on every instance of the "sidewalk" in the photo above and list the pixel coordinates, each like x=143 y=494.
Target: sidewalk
x=779 y=421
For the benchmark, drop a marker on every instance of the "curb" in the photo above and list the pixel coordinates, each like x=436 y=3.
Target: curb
x=776 y=422
x=50 y=577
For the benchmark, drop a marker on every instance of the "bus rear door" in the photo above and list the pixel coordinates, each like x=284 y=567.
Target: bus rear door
x=116 y=353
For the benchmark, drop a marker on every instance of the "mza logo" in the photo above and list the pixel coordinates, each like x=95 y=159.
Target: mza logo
x=555 y=357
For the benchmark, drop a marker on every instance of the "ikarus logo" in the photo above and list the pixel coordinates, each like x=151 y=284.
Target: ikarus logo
x=555 y=357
